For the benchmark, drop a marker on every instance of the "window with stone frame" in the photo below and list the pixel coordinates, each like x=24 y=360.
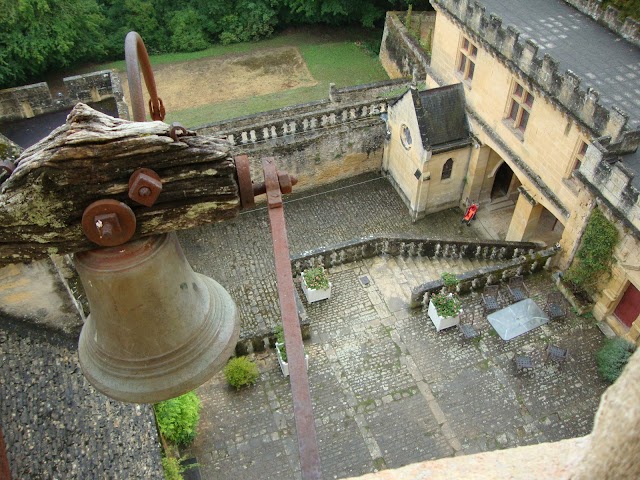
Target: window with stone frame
x=447 y=168
x=519 y=106
x=581 y=149
x=467 y=59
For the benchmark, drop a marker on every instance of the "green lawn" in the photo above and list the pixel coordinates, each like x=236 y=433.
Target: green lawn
x=332 y=56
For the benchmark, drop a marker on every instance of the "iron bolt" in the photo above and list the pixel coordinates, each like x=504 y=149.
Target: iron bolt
x=108 y=225
x=145 y=186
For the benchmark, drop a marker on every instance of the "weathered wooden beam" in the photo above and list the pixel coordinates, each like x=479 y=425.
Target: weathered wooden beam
x=90 y=158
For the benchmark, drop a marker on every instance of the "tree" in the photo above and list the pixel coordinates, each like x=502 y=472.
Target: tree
x=40 y=35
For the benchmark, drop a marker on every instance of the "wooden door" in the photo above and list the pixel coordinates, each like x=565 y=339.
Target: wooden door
x=629 y=307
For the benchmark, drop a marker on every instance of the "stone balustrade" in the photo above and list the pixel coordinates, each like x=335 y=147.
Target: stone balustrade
x=304 y=123
x=476 y=279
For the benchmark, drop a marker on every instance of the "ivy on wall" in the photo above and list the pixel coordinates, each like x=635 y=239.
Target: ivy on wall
x=595 y=255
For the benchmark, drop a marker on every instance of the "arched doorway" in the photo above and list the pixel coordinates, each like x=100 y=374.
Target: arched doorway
x=501 y=181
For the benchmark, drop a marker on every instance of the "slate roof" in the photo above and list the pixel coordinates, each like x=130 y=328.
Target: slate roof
x=599 y=57
x=441 y=117
x=56 y=425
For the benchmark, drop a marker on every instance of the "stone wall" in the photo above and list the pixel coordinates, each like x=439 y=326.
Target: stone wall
x=319 y=143
x=400 y=54
x=561 y=90
x=611 y=182
x=610 y=18
x=31 y=100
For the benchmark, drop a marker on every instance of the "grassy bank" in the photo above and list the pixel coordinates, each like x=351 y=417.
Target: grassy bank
x=337 y=56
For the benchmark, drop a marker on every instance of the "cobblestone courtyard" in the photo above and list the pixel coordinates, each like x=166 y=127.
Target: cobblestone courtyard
x=387 y=389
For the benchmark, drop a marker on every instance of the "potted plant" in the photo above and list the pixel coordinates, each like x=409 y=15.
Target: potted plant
x=316 y=285
x=281 y=352
x=444 y=310
x=444 y=307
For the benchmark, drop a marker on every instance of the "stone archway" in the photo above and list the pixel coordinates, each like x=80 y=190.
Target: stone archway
x=501 y=181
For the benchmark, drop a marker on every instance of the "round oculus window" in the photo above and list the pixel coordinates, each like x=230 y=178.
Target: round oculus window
x=405 y=137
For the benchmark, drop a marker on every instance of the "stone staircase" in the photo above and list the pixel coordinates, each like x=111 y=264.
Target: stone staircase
x=395 y=277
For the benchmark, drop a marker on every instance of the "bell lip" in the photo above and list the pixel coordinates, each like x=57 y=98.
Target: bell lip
x=123 y=257
x=134 y=389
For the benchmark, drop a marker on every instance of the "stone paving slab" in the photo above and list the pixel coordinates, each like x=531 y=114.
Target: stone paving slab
x=388 y=390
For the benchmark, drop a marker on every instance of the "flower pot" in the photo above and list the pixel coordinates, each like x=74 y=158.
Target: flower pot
x=441 y=322
x=315 y=295
x=284 y=366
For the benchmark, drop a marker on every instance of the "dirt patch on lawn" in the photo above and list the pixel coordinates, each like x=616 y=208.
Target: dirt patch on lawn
x=211 y=80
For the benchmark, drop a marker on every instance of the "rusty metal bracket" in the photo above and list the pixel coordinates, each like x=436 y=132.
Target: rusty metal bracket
x=145 y=186
x=302 y=408
x=137 y=58
x=177 y=130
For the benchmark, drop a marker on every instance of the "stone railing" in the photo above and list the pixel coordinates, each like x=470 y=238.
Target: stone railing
x=562 y=90
x=611 y=180
x=31 y=100
x=358 y=93
x=477 y=279
x=393 y=245
x=304 y=123
x=610 y=18
x=367 y=91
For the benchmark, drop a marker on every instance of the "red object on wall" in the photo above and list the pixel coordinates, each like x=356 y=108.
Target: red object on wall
x=629 y=307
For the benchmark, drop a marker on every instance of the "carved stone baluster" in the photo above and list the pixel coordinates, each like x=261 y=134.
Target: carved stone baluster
x=274 y=132
x=244 y=137
x=305 y=125
x=438 y=250
x=252 y=136
x=478 y=251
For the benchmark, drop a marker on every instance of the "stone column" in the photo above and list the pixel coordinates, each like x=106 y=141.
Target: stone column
x=476 y=174
x=525 y=218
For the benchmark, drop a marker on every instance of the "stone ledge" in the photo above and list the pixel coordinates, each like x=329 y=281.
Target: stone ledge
x=542 y=461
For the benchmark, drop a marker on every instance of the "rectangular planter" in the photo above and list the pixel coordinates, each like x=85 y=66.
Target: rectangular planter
x=441 y=322
x=314 y=295
x=284 y=366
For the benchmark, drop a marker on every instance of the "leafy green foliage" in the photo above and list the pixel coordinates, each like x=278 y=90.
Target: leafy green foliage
x=612 y=358
x=240 y=371
x=316 y=278
x=187 y=31
x=627 y=8
x=595 y=255
x=450 y=280
x=38 y=35
x=178 y=418
x=172 y=468
x=447 y=305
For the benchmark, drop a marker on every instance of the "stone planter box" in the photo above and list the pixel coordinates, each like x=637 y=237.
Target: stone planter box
x=580 y=307
x=284 y=366
x=441 y=322
x=314 y=295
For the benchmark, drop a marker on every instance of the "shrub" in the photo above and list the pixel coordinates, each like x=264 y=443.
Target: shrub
x=612 y=358
x=450 y=281
x=178 y=418
x=241 y=371
x=172 y=468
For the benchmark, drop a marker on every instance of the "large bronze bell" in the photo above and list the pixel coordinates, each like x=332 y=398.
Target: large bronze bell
x=157 y=329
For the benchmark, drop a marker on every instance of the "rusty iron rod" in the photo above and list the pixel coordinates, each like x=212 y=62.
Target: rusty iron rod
x=302 y=409
x=137 y=58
